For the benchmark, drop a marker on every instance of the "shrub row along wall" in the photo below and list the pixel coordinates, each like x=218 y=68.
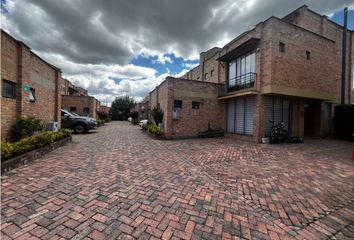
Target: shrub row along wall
x=32 y=155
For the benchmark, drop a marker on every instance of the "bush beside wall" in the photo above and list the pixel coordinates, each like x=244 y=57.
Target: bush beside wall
x=10 y=150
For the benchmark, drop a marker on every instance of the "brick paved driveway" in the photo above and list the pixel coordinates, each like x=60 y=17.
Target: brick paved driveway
x=119 y=183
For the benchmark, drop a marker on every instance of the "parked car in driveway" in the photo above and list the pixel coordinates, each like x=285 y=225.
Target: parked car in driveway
x=77 y=123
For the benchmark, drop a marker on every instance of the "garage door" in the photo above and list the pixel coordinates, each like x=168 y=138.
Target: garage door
x=240 y=115
x=276 y=109
x=231 y=116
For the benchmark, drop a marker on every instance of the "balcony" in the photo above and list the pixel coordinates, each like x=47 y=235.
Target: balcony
x=243 y=82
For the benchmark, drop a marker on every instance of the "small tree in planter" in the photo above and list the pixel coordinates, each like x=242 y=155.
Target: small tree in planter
x=135 y=116
x=157 y=115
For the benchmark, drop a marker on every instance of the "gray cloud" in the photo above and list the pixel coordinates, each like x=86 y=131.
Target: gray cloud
x=93 y=41
x=113 y=31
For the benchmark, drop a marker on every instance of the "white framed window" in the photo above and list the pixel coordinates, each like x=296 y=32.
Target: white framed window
x=32 y=95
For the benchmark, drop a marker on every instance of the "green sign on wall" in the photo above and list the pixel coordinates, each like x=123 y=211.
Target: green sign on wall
x=25 y=87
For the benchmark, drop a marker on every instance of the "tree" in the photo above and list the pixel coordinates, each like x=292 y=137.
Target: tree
x=135 y=117
x=157 y=114
x=121 y=106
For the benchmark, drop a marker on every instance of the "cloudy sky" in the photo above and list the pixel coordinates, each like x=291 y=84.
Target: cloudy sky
x=118 y=47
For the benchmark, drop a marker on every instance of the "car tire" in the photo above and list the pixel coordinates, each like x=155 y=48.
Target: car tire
x=80 y=128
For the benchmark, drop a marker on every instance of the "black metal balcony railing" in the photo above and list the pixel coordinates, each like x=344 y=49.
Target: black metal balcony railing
x=241 y=82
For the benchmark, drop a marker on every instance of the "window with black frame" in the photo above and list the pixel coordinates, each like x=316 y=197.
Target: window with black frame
x=177 y=104
x=8 y=89
x=242 y=72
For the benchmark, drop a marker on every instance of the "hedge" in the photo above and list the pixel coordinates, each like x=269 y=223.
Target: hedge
x=10 y=150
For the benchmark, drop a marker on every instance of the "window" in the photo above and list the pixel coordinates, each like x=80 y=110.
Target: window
x=177 y=104
x=281 y=47
x=32 y=95
x=205 y=76
x=308 y=55
x=86 y=110
x=72 y=109
x=241 y=71
x=195 y=105
x=8 y=89
x=211 y=73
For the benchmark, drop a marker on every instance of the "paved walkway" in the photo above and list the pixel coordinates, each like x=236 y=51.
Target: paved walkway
x=118 y=183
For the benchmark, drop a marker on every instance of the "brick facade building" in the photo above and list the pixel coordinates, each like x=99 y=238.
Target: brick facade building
x=76 y=99
x=142 y=108
x=283 y=70
x=87 y=106
x=29 y=85
x=67 y=88
x=189 y=106
x=105 y=109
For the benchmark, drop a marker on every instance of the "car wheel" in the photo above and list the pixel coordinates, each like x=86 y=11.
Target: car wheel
x=80 y=128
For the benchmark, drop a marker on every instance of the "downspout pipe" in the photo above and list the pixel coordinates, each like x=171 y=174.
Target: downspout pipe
x=344 y=54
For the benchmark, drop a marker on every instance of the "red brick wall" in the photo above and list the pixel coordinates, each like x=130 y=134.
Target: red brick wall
x=319 y=24
x=292 y=69
x=81 y=102
x=208 y=63
x=191 y=121
x=22 y=66
x=8 y=72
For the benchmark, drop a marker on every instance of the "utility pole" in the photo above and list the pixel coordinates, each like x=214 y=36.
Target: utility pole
x=344 y=54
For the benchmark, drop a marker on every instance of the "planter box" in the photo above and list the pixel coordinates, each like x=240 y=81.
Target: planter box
x=153 y=136
x=25 y=158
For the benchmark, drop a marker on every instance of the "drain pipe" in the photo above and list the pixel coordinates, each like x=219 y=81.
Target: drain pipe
x=344 y=54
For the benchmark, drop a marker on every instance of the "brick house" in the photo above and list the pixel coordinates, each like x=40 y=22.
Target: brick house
x=283 y=70
x=67 y=88
x=105 y=109
x=142 y=109
x=29 y=85
x=76 y=99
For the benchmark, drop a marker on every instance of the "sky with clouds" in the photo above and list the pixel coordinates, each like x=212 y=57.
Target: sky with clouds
x=118 y=47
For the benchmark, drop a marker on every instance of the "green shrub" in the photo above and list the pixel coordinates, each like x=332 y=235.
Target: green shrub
x=155 y=130
x=22 y=146
x=6 y=150
x=26 y=126
x=43 y=139
x=66 y=132
x=146 y=126
x=100 y=122
x=9 y=150
x=62 y=133
x=157 y=114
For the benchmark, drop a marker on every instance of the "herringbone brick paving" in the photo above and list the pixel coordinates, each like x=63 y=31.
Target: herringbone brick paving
x=118 y=183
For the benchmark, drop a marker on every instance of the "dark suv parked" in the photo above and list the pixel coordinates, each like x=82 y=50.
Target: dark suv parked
x=77 y=123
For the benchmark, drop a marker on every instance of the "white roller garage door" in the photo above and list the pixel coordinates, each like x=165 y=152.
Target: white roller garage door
x=240 y=115
x=231 y=116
